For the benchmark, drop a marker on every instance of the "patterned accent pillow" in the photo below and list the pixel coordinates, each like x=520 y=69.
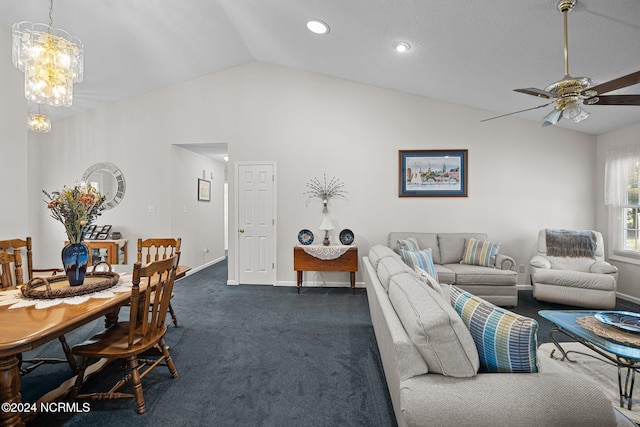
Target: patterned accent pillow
x=409 y=244
x=480 y=252
x=422 y=258
x=506 y=341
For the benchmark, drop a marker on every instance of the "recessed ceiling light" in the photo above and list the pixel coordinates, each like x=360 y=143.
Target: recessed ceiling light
x=402 y=47
x=318 y=27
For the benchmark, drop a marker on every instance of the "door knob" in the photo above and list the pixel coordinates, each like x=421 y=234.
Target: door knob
x=241 y=230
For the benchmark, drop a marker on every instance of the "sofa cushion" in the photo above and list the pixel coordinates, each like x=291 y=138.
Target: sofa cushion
x=475 y=275
x=421 y=258
x=452 y=245
x=378 y=252
x=480 y=252
x=444 y=274
x=389 y=267
x=408 y=244
x=434 y=327
x=425 y=240
x=575 y=279
x=506 y=341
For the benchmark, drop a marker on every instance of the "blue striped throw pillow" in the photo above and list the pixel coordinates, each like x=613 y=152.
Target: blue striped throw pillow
x=506 y=341
x=480 y=252
x=408 y=244
x=422 y=258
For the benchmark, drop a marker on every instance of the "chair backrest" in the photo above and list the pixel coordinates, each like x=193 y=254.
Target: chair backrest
x=156 y=249
x=149 y=306
x=12 y=272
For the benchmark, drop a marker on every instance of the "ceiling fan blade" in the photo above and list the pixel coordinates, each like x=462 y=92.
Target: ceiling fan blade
x=620 y=82
x=516 y=112
x=615 y=100
x=535 y=92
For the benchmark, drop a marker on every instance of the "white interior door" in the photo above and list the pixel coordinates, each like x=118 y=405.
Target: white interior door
x=256 y=223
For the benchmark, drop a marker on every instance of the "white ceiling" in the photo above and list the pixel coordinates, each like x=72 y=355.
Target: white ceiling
x=467 y=52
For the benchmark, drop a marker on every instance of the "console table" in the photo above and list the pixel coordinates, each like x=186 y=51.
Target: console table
x=348 y=261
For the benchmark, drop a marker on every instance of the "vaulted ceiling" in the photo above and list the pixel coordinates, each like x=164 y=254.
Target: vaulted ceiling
x=472 y=53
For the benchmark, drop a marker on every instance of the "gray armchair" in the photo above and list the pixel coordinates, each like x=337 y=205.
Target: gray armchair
x=569 y=268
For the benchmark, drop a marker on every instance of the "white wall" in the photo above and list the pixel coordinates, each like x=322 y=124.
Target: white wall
x=200 y=224
x=521 y=177
x=628 y=272
x=13 y=145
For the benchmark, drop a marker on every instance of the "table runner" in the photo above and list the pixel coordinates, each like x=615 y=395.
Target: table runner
x=326 y=252
x=14 y=298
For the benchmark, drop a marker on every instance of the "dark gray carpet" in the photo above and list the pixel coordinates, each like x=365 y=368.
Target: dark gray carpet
x=529 y=306
x=254 y=356
x=248 y=356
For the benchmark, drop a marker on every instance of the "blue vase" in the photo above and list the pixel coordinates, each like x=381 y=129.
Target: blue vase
x=75 y=257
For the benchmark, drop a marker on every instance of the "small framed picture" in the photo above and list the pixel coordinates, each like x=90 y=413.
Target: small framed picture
x=102 y=236
x=105 y=229
x=204 y=190
x=88 y=231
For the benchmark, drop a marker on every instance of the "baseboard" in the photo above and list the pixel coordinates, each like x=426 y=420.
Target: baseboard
x=307 y=284
x=203 y=266
x=629 y=298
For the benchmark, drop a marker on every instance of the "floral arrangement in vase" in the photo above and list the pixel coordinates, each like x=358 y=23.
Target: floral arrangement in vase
x=325 y=190
x=76 y=208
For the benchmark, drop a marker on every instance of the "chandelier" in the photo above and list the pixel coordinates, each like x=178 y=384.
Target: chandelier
x=51 y=59
x=37 y=122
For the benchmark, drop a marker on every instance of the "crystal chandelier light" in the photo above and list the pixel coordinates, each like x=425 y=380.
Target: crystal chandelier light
x=37 y=122
x=51 y=59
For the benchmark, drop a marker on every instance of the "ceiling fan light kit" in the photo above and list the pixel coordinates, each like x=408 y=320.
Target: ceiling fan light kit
x=570 y=92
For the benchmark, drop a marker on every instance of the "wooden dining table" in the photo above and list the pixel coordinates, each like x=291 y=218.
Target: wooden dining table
x=25 y=328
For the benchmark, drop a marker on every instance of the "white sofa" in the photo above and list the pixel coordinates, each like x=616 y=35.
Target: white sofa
x=496 y=284
x=421 y=397
x=584 y=281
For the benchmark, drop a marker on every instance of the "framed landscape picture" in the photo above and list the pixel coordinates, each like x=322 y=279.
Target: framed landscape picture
x=433 y=173
x=204 y=190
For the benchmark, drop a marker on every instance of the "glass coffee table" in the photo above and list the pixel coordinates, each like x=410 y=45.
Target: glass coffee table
x=625 y=358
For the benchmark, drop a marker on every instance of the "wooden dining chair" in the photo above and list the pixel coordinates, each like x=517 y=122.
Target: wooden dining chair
x=150 y=295
x=155 y=249
x=12 y=272
x=12 y=275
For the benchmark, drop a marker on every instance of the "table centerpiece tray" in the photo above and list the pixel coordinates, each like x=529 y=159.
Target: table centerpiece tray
x=624 y=320
x=57 y=286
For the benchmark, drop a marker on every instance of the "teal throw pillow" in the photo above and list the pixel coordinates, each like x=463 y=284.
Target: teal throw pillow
x=422 y=258
x=506 y=341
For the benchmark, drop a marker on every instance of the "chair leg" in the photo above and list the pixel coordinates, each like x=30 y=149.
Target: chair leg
x=75 y=390
x=168 y=360
x=173 y=316
x=137 y=385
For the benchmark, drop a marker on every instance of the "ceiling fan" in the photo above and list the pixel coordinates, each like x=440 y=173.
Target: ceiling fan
x=568 y=92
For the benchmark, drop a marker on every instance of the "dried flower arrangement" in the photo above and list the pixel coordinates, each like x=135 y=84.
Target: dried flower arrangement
x=75 y=207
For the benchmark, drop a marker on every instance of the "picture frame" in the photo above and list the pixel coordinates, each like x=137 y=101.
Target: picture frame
x=88 y=232
x=433 y=173
x=102 y=236
x=204 y=190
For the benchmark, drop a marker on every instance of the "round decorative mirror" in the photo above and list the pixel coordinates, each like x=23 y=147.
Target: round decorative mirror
x=108 y=180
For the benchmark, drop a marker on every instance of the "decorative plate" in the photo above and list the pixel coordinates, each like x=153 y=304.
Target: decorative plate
x=305 y=237
x=624 y=320
x=346 y=237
